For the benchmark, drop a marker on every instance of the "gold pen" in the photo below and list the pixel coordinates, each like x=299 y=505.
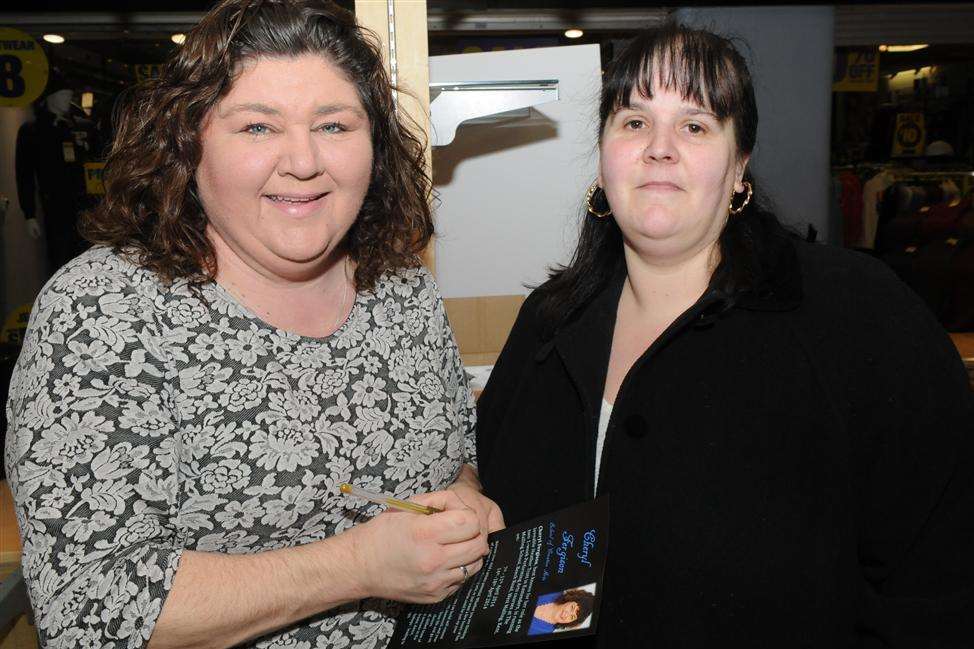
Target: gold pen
x=389 y=501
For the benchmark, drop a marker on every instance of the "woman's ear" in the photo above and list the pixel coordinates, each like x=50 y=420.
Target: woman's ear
x=739 y=173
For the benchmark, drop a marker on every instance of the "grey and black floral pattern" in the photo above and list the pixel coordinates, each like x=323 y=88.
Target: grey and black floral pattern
x=146 y=419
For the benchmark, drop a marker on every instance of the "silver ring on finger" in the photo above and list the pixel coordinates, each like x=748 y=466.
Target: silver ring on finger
x=465 y=572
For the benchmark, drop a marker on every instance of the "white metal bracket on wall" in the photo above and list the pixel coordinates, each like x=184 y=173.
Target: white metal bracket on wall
x=452 y=104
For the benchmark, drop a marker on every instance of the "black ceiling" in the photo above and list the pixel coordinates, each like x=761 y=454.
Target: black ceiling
x=74 y=6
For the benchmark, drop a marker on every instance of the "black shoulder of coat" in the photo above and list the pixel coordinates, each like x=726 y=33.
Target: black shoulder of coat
x=843 y=287
x=863 y=324
x=856 y=270
x=529 y=316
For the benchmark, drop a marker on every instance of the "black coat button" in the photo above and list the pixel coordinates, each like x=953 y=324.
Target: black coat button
x=635 y=426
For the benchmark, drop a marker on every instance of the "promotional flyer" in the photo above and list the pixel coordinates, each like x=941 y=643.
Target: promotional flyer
x=541 y=580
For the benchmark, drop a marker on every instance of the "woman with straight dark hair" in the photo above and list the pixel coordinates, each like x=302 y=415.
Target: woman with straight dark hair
x=252 y=330
x=784 y=433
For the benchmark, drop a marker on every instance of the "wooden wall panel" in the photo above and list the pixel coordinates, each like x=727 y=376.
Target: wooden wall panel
x=482 y=324
x=405 y=42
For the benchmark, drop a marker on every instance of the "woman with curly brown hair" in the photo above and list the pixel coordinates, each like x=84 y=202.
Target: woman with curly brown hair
x=252 y=330
x=562 y=611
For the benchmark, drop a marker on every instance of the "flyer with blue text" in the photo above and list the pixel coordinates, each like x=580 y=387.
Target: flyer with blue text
x=541 y=580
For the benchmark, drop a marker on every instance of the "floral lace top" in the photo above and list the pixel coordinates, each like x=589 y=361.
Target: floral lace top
x=144 y=420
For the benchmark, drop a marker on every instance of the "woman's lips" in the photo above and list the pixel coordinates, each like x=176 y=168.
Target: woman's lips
x=296 y=204
x=661 y=186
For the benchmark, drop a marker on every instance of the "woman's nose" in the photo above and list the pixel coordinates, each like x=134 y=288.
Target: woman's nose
x=300 y=157
x=660 y=147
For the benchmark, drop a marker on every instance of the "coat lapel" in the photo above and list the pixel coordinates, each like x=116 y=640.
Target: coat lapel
x=584 y=343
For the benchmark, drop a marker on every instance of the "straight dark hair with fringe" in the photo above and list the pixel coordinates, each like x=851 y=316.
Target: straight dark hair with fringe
x=709 y=70
x=150 y=209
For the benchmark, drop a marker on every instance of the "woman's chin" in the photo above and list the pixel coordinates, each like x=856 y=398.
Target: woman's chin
x=657 y=224
x=667 y=238
x=659 y=240
x=296 y=263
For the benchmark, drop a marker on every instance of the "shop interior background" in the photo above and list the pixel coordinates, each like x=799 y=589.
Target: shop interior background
x=866 y=137
x=840 y=88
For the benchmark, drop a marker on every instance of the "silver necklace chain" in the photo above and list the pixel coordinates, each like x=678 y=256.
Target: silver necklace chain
x=341 y=304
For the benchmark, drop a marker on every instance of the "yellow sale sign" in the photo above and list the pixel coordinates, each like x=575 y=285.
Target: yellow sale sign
x=856 y=71
x=93 y=177
x=23 y=68
x=910 y=136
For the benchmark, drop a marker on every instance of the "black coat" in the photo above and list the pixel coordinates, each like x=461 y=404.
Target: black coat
x=798 y=472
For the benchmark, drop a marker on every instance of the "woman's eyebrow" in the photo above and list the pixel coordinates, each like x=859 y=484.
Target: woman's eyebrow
x=634 y=105
x=689 y=110
x=693 y=111
x=256 y=107
x=331 y=109
x=250 y=107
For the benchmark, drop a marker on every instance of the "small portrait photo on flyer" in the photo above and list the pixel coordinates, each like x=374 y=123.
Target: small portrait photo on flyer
x=565 y=610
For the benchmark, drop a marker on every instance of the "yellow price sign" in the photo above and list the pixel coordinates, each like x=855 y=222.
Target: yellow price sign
x=856 y=71
x=910 y=136
x=15 y=325
x=23 y=68
x=93 y=178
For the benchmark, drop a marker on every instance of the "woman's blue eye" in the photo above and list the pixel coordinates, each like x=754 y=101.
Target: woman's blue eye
x=256 y=129
x=333 y=127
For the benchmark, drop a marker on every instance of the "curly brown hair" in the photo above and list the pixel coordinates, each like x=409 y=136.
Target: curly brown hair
x=151 y=209
x=585 y=601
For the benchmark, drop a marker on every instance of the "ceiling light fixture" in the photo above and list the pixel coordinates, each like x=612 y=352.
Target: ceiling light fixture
x=573 y=33
x=57 y=39
x=903 y=48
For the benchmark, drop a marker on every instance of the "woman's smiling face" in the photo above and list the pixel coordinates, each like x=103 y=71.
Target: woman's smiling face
x=286 y=164
x=567 y=613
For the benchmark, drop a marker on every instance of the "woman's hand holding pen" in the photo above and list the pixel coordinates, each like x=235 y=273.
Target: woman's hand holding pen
x=468 y=489
x=422 y=559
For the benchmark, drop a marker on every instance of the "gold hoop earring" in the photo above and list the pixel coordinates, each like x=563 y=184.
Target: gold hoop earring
x=747 y=199
x=594 y=187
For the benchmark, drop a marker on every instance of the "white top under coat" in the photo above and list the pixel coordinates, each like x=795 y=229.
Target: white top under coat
x=604 y=416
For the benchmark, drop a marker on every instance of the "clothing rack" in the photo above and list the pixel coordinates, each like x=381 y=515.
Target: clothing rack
x=963 y=178
x=901 y=172
x=930 y=174
x=861 y=165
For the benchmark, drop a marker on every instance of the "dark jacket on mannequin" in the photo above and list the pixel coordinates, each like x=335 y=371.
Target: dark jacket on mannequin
x=50 y=157
x=41 y=163
x=796 y=471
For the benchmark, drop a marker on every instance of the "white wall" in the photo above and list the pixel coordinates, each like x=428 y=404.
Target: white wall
x=510 y=193
x=790 y=59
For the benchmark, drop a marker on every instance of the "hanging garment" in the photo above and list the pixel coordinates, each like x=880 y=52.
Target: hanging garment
x=50 y=157
x=941 y=221
x=850 y=204
x=952 y=193
x=933 y=277
x=898 y=233
x=872 y=193
x=961 y=317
